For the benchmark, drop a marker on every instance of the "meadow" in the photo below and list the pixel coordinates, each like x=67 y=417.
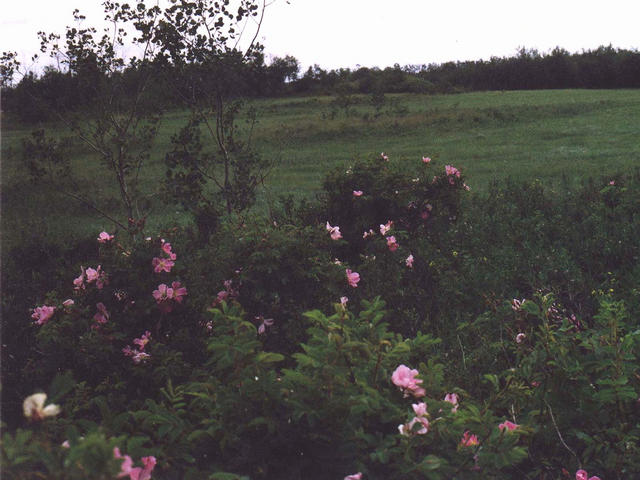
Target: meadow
x=557 y=136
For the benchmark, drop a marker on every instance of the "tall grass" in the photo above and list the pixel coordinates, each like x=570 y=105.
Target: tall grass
x=558 y=136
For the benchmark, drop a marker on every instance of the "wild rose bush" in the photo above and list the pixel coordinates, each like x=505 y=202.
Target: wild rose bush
x=198 y=360
x=367 y=411
x=395 y=221
x=117 y=314
x=571 y=379
x=238 y=409
x=584 y=373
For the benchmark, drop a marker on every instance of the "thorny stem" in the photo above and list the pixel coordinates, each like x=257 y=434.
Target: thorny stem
x=92 y=206
x=555 y=425
x=377 y=367
x=464 y=360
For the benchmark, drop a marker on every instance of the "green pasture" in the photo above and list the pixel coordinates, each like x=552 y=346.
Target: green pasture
x=555 y=136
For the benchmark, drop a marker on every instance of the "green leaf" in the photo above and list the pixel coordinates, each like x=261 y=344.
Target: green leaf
x=62 y=384
x=431 y=462
x=531 y=307
x=493 y=379
x=269 y=357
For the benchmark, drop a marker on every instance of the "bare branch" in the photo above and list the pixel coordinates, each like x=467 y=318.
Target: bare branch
x=93 y=207
x=555 y=425
x=253 y=40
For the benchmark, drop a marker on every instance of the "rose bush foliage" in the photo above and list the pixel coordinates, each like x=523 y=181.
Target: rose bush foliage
x=378 y=331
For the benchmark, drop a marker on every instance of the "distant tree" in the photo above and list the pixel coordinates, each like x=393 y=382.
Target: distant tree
x=285 y=69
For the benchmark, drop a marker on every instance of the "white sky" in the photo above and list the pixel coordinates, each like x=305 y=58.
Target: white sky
x=347 y=33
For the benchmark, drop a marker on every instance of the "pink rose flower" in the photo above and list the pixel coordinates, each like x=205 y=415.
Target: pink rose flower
x=452 y=398
x=165 y=296
x=520 y=337
x=409 y=261
x=384 y=157
x=510 y=426
x=143 y=340
x=178 y=291
x=162 y=264
x=420 y=409
x=161 y=293
x=222 y=295
x=102 y=315
x=228 y=293
x=452 y=171
x=582 y=475
x=368 y=234
x=136 y=355
x=355 y=476
x=357 y=193
x=68 y=302
x=353 y=278
x=104 y=237
x=78 y=283
x=417 y=391
x=134 y=473
x=166 y=248
x=334 y=231
x=391 y=243
x=343 y=302
x=469 y=440
x=386 y=227
x=92 y=274
x=266 y=322
x=140 y=357
x=125 y=467
x=424 y=425
x=426 y=160
x=404 y=378
x=143 y=473
x=42 y=314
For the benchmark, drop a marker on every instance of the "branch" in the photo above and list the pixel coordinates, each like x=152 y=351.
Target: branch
x=253 y=40
x=555 y=425
x=92 y=206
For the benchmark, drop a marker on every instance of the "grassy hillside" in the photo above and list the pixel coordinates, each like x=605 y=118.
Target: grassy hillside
x=528 y=134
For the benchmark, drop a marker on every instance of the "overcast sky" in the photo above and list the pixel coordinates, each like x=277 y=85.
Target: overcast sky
x=347 y=33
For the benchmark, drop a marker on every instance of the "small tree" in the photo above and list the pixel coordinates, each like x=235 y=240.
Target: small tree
x=116 y=110
x=212 y=75
x=111 y=114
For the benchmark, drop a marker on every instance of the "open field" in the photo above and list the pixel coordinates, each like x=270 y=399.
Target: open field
x=490 y=135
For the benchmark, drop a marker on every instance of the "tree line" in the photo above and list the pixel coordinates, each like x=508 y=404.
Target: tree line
x=36 y=96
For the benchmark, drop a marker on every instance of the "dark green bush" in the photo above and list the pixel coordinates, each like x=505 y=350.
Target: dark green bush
x=522 y=302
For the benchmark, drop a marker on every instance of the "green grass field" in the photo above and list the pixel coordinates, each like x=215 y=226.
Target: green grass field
x=489 y=135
